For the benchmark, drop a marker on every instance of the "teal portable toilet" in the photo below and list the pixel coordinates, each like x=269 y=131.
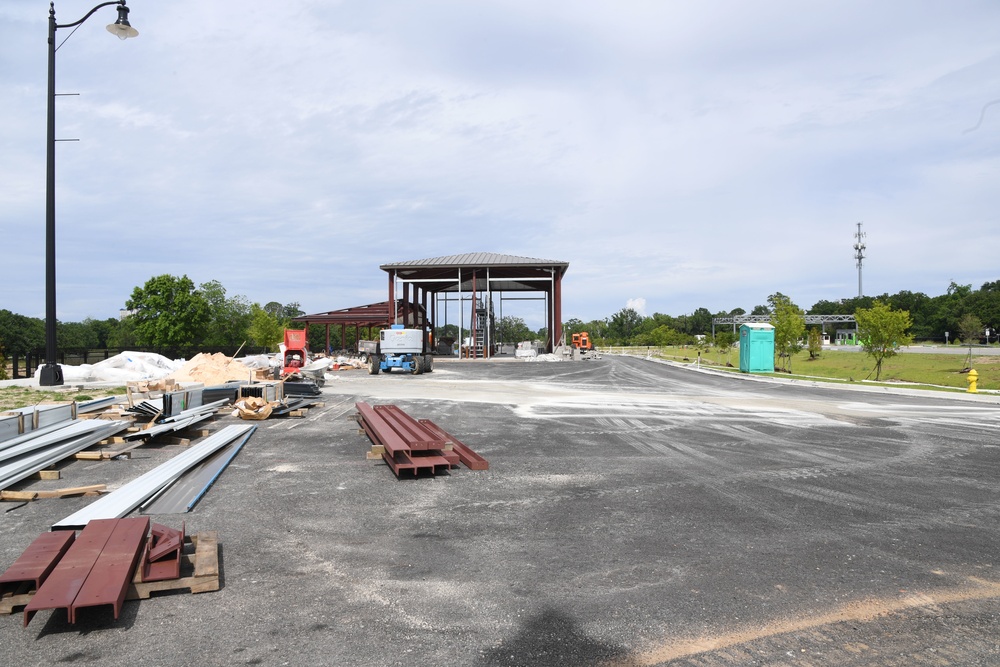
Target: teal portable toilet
x=756 y=348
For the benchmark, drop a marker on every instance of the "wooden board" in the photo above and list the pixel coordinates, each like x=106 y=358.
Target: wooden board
x=101 y=455
x=91 y=490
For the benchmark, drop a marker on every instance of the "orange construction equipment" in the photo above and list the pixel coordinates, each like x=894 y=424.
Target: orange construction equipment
x=296 y=350
x=581 y=341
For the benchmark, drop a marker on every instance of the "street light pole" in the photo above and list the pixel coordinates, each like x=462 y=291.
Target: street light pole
x=51 y=373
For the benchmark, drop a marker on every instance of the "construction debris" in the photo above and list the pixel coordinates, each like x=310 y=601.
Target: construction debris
x=255 y=408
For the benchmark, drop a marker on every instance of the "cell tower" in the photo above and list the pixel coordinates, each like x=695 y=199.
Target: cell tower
x=859 y=254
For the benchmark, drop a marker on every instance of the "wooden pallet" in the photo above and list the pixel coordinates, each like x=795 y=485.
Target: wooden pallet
x=199 y=570
x=199 y=574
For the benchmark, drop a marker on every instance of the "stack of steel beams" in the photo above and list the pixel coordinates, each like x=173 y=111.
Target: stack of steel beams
x=471 y=459
x=95 y=570
x=407 y=444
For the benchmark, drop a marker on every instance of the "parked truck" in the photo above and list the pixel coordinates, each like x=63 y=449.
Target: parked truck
x=366 y=348
x=402 y=348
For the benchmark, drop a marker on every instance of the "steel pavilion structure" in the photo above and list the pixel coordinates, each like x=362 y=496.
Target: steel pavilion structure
x=371 y=316
x=421 y=290
x=473 y=280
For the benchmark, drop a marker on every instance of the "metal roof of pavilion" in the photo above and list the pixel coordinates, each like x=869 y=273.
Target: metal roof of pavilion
x=506 y=272
x=474 y=259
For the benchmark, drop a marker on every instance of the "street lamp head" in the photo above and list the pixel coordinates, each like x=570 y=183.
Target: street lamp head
x=121 y=28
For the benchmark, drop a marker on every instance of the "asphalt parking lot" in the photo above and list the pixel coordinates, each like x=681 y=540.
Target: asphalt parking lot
x=634 y=513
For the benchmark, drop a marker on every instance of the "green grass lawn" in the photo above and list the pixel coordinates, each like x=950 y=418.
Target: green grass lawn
x=943 y=370
x=22 y=397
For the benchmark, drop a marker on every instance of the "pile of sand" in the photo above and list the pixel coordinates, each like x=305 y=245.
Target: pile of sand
x=211 y=369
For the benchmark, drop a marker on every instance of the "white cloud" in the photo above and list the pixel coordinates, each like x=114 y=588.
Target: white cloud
x=638 y=305
x=702 y=155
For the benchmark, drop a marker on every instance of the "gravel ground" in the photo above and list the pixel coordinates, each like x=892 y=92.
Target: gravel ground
x=634 y=513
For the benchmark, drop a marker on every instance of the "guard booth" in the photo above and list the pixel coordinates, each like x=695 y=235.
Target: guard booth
x=756 y=348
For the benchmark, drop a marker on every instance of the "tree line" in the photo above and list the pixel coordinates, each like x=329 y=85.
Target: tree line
x=931 y=317
x=170 y=312
x=166 y=313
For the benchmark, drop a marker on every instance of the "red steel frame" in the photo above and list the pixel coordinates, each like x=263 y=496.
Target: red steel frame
x=38 y=560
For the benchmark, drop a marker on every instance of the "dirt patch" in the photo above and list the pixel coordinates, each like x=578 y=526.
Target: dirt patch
x=862 y=611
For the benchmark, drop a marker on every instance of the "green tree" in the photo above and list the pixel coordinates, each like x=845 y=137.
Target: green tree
x=168 y=312
x=985 y=304
x=789 y=324
x=662 y=336
x=102 y=330
x=122 y=336
x=815 y=342
x=700 y=322
x=970 y=328
x=825 y=307
x=447 y=331
x=19 y=334
x=511 y=330
x=882 y=331
x=572 y=326
x=274 y=308
x=229 y=317
x=266 y=329
x=75 y=335
x=623 y=325
x=724 y=341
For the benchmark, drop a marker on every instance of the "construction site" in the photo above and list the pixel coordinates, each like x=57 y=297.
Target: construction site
x=470 y=508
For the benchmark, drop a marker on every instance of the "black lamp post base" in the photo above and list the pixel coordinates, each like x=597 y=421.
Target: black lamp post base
x=51 y=375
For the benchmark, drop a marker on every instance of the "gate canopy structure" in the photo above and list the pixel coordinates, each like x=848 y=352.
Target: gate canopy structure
x=472 y=280
x=822 y=320
x=373 y=315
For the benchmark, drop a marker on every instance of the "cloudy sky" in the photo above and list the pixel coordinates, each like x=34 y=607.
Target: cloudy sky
x=677 y=154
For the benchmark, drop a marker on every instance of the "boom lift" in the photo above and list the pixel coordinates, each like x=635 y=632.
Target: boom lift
x=400 y=348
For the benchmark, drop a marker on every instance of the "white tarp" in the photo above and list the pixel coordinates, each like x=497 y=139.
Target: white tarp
x=138 y=366
x=124 y=367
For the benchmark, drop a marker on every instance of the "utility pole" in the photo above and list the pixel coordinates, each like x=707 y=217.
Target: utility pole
x=859 y=254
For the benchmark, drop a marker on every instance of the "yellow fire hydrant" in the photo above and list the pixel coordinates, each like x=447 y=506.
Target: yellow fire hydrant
x=972 y=378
